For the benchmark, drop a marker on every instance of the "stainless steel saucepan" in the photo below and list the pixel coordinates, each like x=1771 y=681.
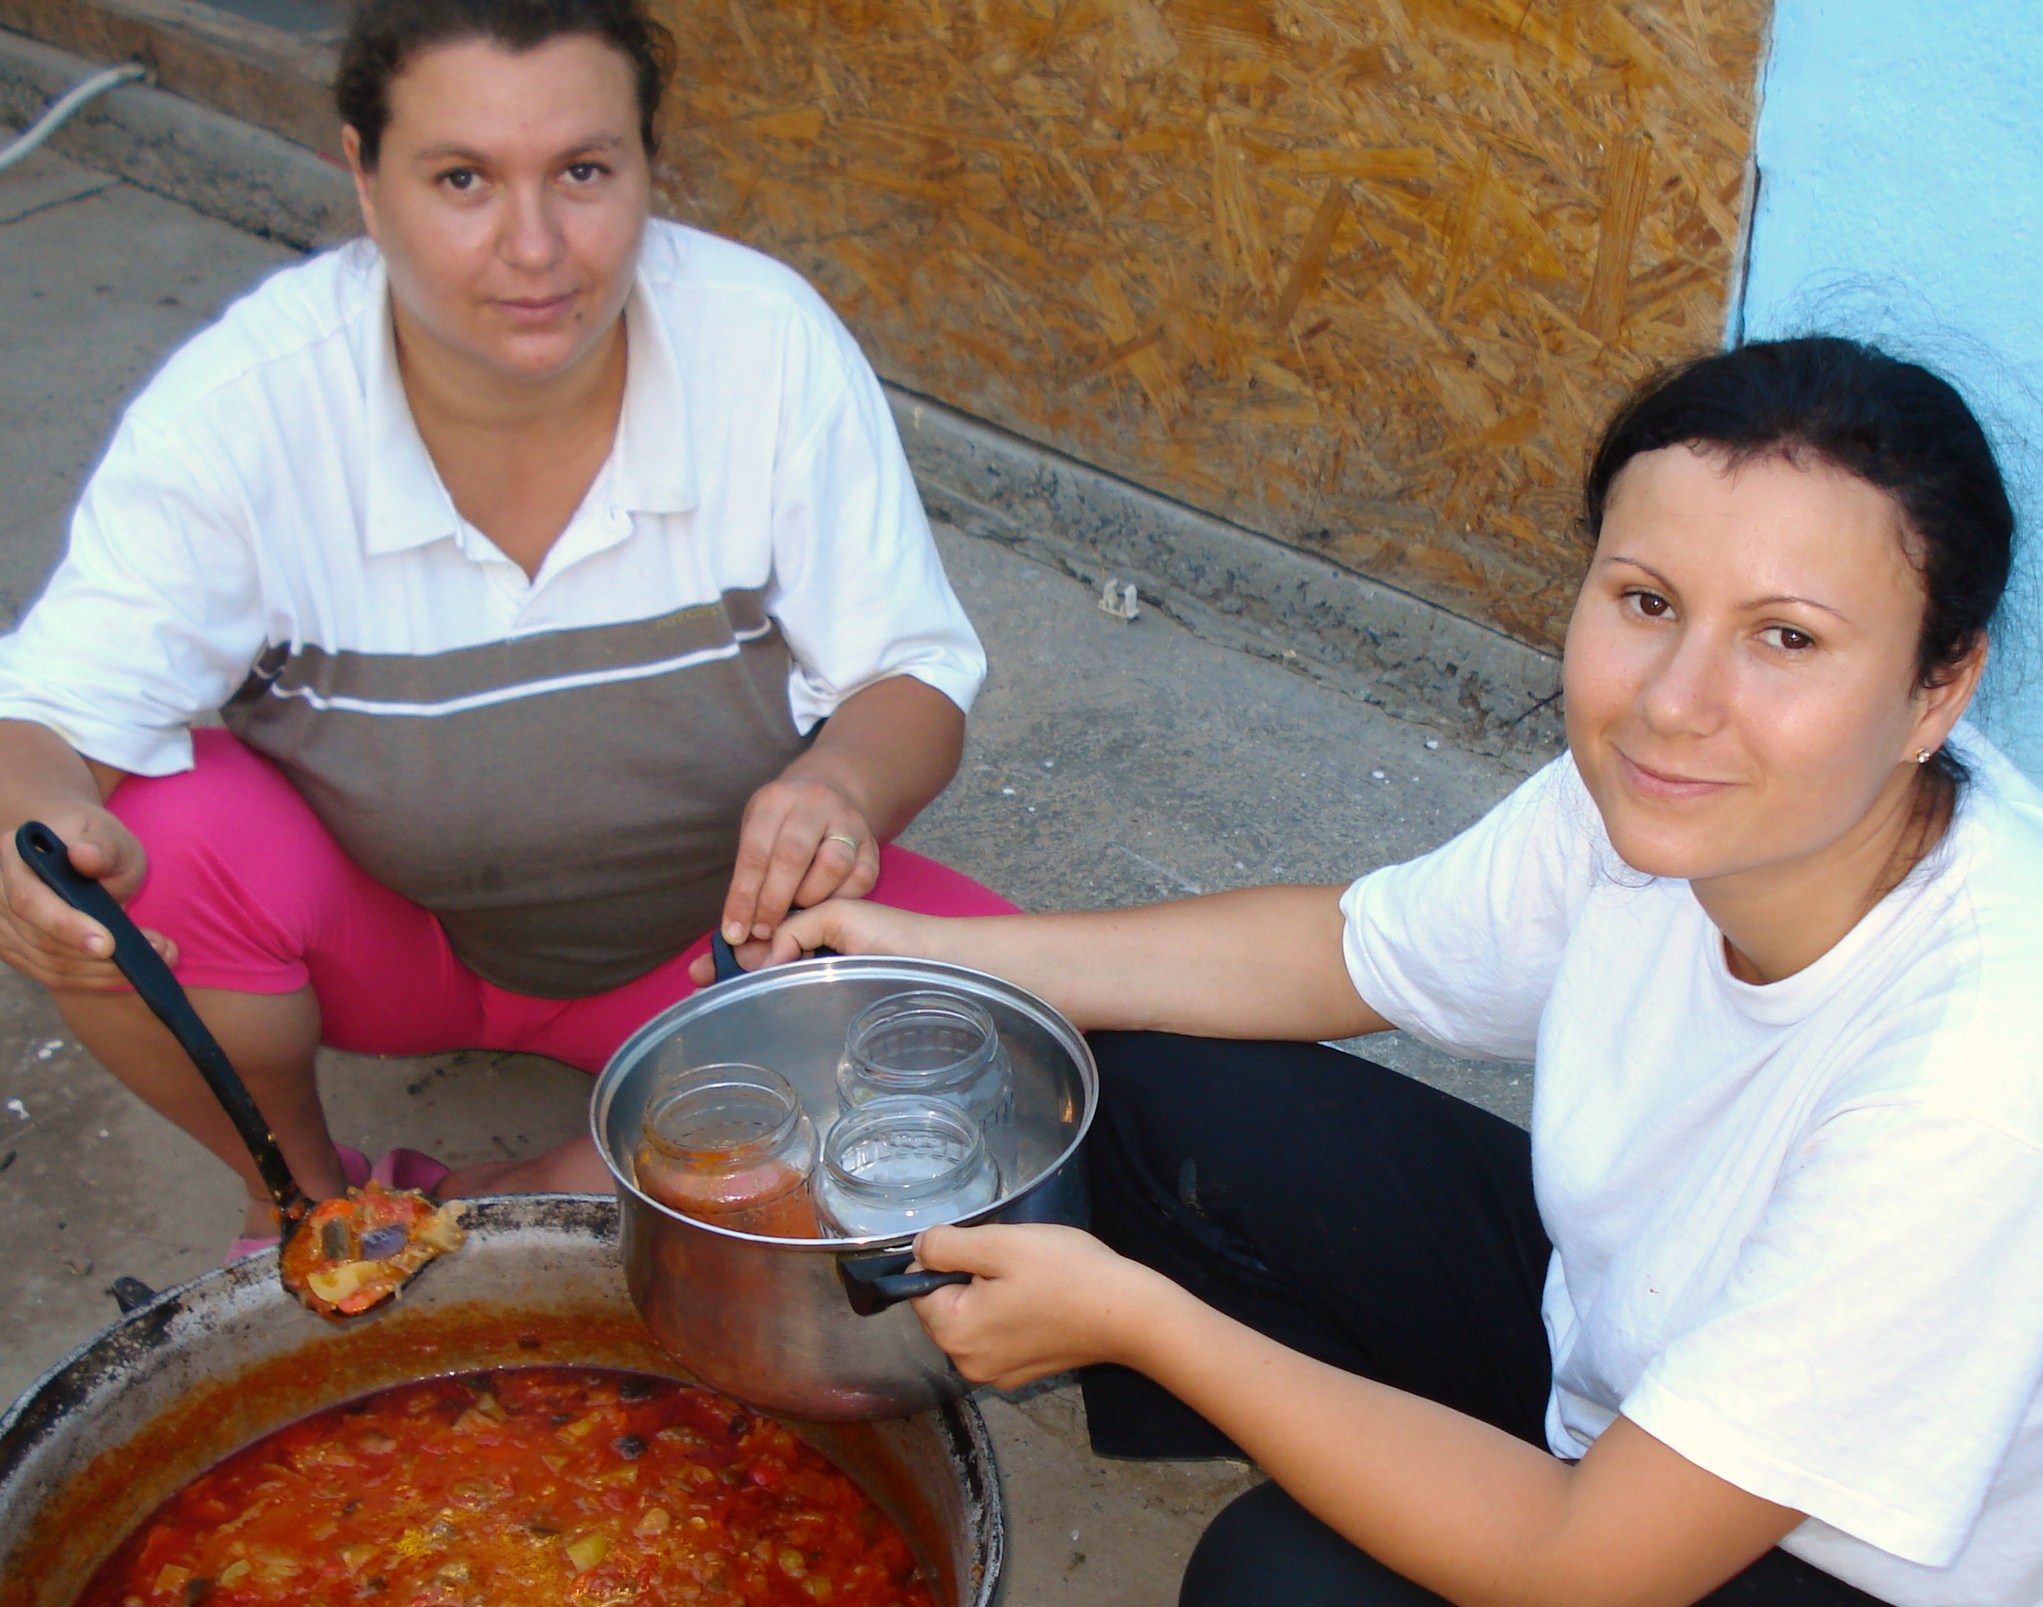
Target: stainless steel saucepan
x=817 y=1328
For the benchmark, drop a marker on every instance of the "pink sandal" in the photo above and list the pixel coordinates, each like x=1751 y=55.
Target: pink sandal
x=354 y=1167
x=410 y=1169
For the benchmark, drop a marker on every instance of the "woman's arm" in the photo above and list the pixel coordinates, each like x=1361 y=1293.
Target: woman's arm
x=1261 y=962
x=877 y=761
x=43 y=778
x=1466 y=1510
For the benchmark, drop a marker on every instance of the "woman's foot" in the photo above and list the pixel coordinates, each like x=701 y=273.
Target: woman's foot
x=572 y=1168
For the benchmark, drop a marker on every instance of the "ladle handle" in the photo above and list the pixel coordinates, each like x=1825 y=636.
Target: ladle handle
x=44 y=853
x=874 y=1282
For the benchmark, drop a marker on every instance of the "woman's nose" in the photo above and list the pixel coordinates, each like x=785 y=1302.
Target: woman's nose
x=531 y=238
x=1686 y=686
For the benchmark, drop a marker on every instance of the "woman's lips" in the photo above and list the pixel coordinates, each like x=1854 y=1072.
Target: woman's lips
x=1660 y=784
x=536 y=309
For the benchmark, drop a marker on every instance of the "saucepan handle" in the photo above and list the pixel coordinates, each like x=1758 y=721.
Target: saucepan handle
x=880 y=1279
x=725 y=959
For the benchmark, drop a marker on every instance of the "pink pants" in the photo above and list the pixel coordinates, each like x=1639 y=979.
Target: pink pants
x=260 y=899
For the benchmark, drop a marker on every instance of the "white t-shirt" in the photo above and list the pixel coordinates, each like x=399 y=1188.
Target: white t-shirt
x=1797 y=1228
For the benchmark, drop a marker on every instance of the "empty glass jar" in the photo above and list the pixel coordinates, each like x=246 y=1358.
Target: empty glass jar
x=730 y=1144
x=901 y=1163
x=932 y=1045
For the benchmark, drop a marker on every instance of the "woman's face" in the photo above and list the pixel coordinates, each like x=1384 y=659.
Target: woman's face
x=1741 y=667
x=509 y=198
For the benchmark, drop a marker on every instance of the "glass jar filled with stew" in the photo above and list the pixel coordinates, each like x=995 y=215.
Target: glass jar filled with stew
x=929 y=1044
x=900 y=1163
x=730 y=1144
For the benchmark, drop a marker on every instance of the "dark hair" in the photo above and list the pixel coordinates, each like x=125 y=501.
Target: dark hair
x=1893 y=424
x=384 y=35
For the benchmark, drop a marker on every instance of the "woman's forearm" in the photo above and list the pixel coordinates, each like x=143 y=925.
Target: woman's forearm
x=890 y=749
x=1467 y=1510
x=1262 y=962
x=41 y=773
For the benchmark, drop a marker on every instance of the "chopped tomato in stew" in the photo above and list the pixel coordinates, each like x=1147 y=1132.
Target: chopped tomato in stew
x=524 y=1488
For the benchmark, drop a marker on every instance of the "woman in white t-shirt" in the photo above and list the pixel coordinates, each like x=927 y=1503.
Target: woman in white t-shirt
x=1756 y=1312
x=560 y=581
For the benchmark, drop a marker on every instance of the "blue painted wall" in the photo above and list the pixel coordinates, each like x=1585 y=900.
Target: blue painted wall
x=1900 y=151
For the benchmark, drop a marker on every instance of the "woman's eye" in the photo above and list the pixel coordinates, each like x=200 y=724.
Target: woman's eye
x=585 y=172
x=1789 y=639
x=1649 y=603
x=461 y=179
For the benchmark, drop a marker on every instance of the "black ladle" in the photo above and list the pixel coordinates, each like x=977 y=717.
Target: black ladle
x=43 y=851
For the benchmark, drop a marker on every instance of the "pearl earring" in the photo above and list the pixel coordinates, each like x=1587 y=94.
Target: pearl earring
x=1922 y=755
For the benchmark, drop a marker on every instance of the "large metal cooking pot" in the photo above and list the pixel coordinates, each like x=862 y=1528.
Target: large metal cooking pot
x=814 y=1328
x=201 y=1370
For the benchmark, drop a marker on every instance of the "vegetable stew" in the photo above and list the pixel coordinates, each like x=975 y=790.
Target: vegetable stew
x=521 y=1488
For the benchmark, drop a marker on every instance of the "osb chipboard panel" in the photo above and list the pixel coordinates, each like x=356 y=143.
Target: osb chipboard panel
x=1363 y=275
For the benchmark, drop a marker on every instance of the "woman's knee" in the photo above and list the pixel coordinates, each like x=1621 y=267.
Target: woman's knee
x=233 y=805
x=1264 y=1547
x=241 y=874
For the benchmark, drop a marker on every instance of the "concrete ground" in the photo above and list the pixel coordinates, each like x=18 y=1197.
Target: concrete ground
x=1109 y=763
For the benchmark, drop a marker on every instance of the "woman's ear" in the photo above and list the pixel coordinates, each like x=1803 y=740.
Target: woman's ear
x=1943 y=702
x=365 y=180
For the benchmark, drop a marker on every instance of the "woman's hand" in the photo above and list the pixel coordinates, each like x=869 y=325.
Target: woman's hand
x=1043 y=1300
x=816 y=830
x=803 y=839
x=41 y=936
x=848 y=925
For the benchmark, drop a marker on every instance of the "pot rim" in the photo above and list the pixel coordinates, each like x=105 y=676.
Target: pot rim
x=100 y=1373
x=104 y=1353
x=924 y=973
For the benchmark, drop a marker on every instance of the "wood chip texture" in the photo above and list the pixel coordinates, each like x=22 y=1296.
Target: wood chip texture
x=1361 y=275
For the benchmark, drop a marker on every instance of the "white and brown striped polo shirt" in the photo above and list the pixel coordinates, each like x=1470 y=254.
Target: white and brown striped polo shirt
x=554 y=766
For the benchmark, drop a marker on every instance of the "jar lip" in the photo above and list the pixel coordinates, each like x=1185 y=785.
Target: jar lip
x=887 y=1012
x=893 y=1111
x=698 y=1085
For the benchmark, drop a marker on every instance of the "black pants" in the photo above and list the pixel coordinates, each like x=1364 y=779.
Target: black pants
x=1357 y=1216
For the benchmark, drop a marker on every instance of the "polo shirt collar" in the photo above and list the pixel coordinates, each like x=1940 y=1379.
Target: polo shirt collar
x=651 y=468
x=653 y=462
x=408 y=506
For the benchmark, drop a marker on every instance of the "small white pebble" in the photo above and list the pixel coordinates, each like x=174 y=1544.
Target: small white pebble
x=1378 y=775
x=1432 y=744
x=1007 y=792
x=103 y=1133
x=18 y=1108
x=44 y=1050
x=1049 y=764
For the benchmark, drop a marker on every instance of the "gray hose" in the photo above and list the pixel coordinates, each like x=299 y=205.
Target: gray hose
x=46 y=125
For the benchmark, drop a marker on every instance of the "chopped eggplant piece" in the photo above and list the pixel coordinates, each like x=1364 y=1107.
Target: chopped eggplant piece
x=384 y=1241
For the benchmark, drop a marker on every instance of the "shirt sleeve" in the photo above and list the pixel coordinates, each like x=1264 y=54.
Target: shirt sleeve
x=1460 y=946
x=1873 y=1354
x=859 y=589
x=151 y=620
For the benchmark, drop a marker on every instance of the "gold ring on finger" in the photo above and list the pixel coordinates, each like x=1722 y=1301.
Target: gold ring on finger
x=839 y=837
